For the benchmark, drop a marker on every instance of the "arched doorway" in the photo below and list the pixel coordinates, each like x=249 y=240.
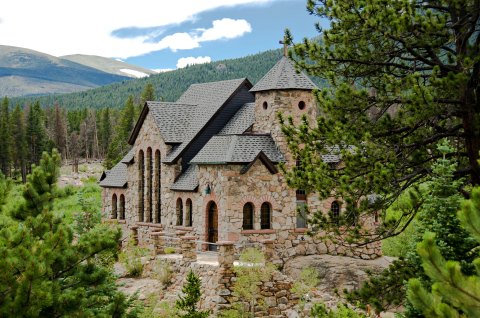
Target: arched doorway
x=212 y=225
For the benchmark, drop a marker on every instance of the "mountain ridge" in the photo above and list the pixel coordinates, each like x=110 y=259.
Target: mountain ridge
x=169 y=85
x=29 y=72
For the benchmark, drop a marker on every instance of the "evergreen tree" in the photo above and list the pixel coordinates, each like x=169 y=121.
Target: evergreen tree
x=403 y=75
x=105 y=131
x=45 y=273
x=5 y=138
x=438 y=214
x=35 y=134
x=19 y=151
x=188 y=303
x=453 y=294
x=148 y=94
x=119 y=146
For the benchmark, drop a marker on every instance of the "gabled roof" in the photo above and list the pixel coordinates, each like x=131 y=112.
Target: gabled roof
x=263 y=159
x=128 y=157
x=243 y=119
x=187 y=181
x=117 y=176
x=209 y=98
x=283 y=75
x=222 y=149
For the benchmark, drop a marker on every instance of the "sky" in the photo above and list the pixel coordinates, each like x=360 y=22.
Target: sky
x=154 y=34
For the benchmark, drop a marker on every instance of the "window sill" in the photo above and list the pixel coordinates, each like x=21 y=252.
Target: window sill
x=122 y=221
x=266 y=231
x=300 y=230
x=183 y=228
x=149 y=224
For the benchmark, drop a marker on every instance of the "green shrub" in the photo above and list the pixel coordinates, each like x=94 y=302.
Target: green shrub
x=169 y=250
x=131 y=257
x=163 y=272
x=342 y=311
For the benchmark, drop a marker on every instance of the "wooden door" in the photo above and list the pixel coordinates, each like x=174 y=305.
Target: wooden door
x=212 y=225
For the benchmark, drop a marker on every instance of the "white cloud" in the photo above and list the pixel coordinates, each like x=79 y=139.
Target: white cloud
x=178 y=41
x=60 y=27
x=185 y=61
x=226 y=29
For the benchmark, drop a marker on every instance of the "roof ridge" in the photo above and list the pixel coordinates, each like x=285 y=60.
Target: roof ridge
x=227 y=80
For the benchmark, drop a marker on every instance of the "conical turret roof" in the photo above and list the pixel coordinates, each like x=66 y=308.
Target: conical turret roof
x=283 y=76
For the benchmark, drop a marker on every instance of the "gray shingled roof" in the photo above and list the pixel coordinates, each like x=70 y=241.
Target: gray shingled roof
x=223 y=149
x=241 y=121
x=188 y=180
x=283 y=76
x=117 y=176
x=172 y=119
x=128 y=157
x=208 y=97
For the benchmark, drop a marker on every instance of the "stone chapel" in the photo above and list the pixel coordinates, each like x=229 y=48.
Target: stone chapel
x=206 y=166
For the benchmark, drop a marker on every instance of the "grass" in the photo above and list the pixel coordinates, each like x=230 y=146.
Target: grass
x=74 y=200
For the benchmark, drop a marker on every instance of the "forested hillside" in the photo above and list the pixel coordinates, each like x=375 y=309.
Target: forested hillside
x=168 y=86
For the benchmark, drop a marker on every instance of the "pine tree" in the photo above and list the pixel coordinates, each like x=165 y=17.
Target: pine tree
x=35 y=134
x=5 y=138
x=119 y=146
x=438 y=214
x=402 y=76
x=19 y=153
x=453 y=294
x=105 y=131
x=45 y=272
x=188 y=303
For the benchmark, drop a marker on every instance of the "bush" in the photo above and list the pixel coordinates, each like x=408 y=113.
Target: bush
x=342 y=311
x=163 y=272
x=169 y=250
x=131 y=257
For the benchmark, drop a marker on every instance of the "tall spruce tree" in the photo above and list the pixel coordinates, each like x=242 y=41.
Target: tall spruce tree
x=35 y=134
x=438 y=214
x=19 y=151
x=5 y=138
x=402 y=76
x=119 y=145
x=45 y=272
x=188 y=302
x=453 y=294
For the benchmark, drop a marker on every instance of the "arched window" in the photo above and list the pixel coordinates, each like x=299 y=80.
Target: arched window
x=149 y=185
x=248 y=216
x=179 y=212
x=114 y=206
x=122 y=207
x=265 y=215
x=335 y=210
x=300 y=193
x=158 y=188
x=141 y=185
x=189 y=218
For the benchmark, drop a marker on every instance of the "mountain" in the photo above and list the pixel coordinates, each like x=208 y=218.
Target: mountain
x=109 y=65
x=27 y=72
x=169 y=85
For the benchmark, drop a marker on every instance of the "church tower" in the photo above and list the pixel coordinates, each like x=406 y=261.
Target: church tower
x=282 y=90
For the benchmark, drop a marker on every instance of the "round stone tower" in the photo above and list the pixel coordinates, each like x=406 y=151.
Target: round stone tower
x=282 y=90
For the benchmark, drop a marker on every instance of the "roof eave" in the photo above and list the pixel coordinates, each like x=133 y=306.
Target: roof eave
x=138 y=125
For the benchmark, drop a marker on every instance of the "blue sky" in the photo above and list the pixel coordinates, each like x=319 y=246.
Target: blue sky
x=268 y=23
x=155 y=34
